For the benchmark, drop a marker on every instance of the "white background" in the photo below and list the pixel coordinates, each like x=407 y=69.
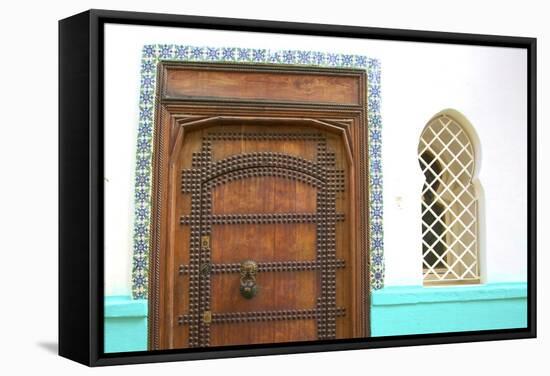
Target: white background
x=28 y=155
x=487 y=84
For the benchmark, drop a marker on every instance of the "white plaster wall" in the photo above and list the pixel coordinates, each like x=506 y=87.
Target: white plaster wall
x=122 y=86
x=486 y=84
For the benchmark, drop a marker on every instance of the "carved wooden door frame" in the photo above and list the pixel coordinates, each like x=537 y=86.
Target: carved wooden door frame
x=177 y=114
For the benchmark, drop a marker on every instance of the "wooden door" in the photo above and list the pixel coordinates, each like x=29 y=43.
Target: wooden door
x=258 y=230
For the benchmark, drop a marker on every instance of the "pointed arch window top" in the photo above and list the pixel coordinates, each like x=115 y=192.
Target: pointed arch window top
x=450 y=236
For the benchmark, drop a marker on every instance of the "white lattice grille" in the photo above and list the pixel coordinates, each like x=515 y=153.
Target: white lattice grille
x=449 y=204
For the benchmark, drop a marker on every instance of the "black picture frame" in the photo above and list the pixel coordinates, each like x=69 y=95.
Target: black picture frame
x=81 y=305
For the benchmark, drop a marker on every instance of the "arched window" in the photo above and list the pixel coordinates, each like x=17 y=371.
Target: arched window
x=450 y=243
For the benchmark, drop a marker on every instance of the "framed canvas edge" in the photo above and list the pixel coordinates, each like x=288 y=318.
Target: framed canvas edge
x=311 y=347
x=92 y=307
x=74 y=276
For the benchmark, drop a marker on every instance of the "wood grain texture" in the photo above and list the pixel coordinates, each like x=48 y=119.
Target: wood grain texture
x=254 y=165
x=181 y=82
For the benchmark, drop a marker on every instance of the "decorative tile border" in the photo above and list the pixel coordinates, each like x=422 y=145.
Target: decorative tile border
x=152 y=54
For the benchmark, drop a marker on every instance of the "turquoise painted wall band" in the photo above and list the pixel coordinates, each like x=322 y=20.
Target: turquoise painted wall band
x=404 y=310
x=392 y=295
x=398 y=310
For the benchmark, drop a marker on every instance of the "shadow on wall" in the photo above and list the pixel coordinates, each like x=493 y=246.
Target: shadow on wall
x=51 y=347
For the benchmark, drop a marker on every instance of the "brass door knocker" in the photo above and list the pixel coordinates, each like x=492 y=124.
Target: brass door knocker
x=248 y=279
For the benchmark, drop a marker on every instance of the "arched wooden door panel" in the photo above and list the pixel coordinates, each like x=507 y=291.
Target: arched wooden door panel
x=258 y=231
x=262 y=203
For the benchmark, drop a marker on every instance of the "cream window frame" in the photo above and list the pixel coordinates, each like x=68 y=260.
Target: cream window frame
x=449 y=144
